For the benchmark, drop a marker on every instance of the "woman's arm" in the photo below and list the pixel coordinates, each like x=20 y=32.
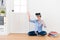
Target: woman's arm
x=33 y=21
x=28 y=16
x=43 y=23
x=30 y=19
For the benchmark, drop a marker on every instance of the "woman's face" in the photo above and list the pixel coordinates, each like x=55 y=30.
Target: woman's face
x=38 y=17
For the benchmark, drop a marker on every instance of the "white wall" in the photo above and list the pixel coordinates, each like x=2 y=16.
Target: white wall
x=50 y=10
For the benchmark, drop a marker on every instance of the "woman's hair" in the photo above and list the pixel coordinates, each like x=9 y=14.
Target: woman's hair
x=38 y=14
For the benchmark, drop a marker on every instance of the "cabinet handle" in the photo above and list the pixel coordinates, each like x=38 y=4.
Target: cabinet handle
x=12 y=10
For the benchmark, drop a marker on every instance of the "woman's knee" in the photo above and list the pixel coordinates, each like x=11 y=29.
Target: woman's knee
x=31 y=33
x=43 y=33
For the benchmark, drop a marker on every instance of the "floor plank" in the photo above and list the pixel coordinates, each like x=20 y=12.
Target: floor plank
x=26 y=37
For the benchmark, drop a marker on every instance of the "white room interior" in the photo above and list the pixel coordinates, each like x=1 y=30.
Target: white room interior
x=17 y=21
x=49 y=10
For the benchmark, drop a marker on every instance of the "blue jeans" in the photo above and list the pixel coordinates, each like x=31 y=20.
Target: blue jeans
x=32 y=33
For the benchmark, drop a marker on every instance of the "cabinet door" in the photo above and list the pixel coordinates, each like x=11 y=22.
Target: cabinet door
x=16 y=6
x=20 y=6
x=17 y=20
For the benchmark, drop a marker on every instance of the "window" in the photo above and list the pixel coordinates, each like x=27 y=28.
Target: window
x=20 y=6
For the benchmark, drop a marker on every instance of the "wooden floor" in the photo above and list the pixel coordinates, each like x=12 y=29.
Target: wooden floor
x=26 y=37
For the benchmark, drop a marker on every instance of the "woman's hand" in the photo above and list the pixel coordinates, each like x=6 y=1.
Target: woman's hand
x=43 y=24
